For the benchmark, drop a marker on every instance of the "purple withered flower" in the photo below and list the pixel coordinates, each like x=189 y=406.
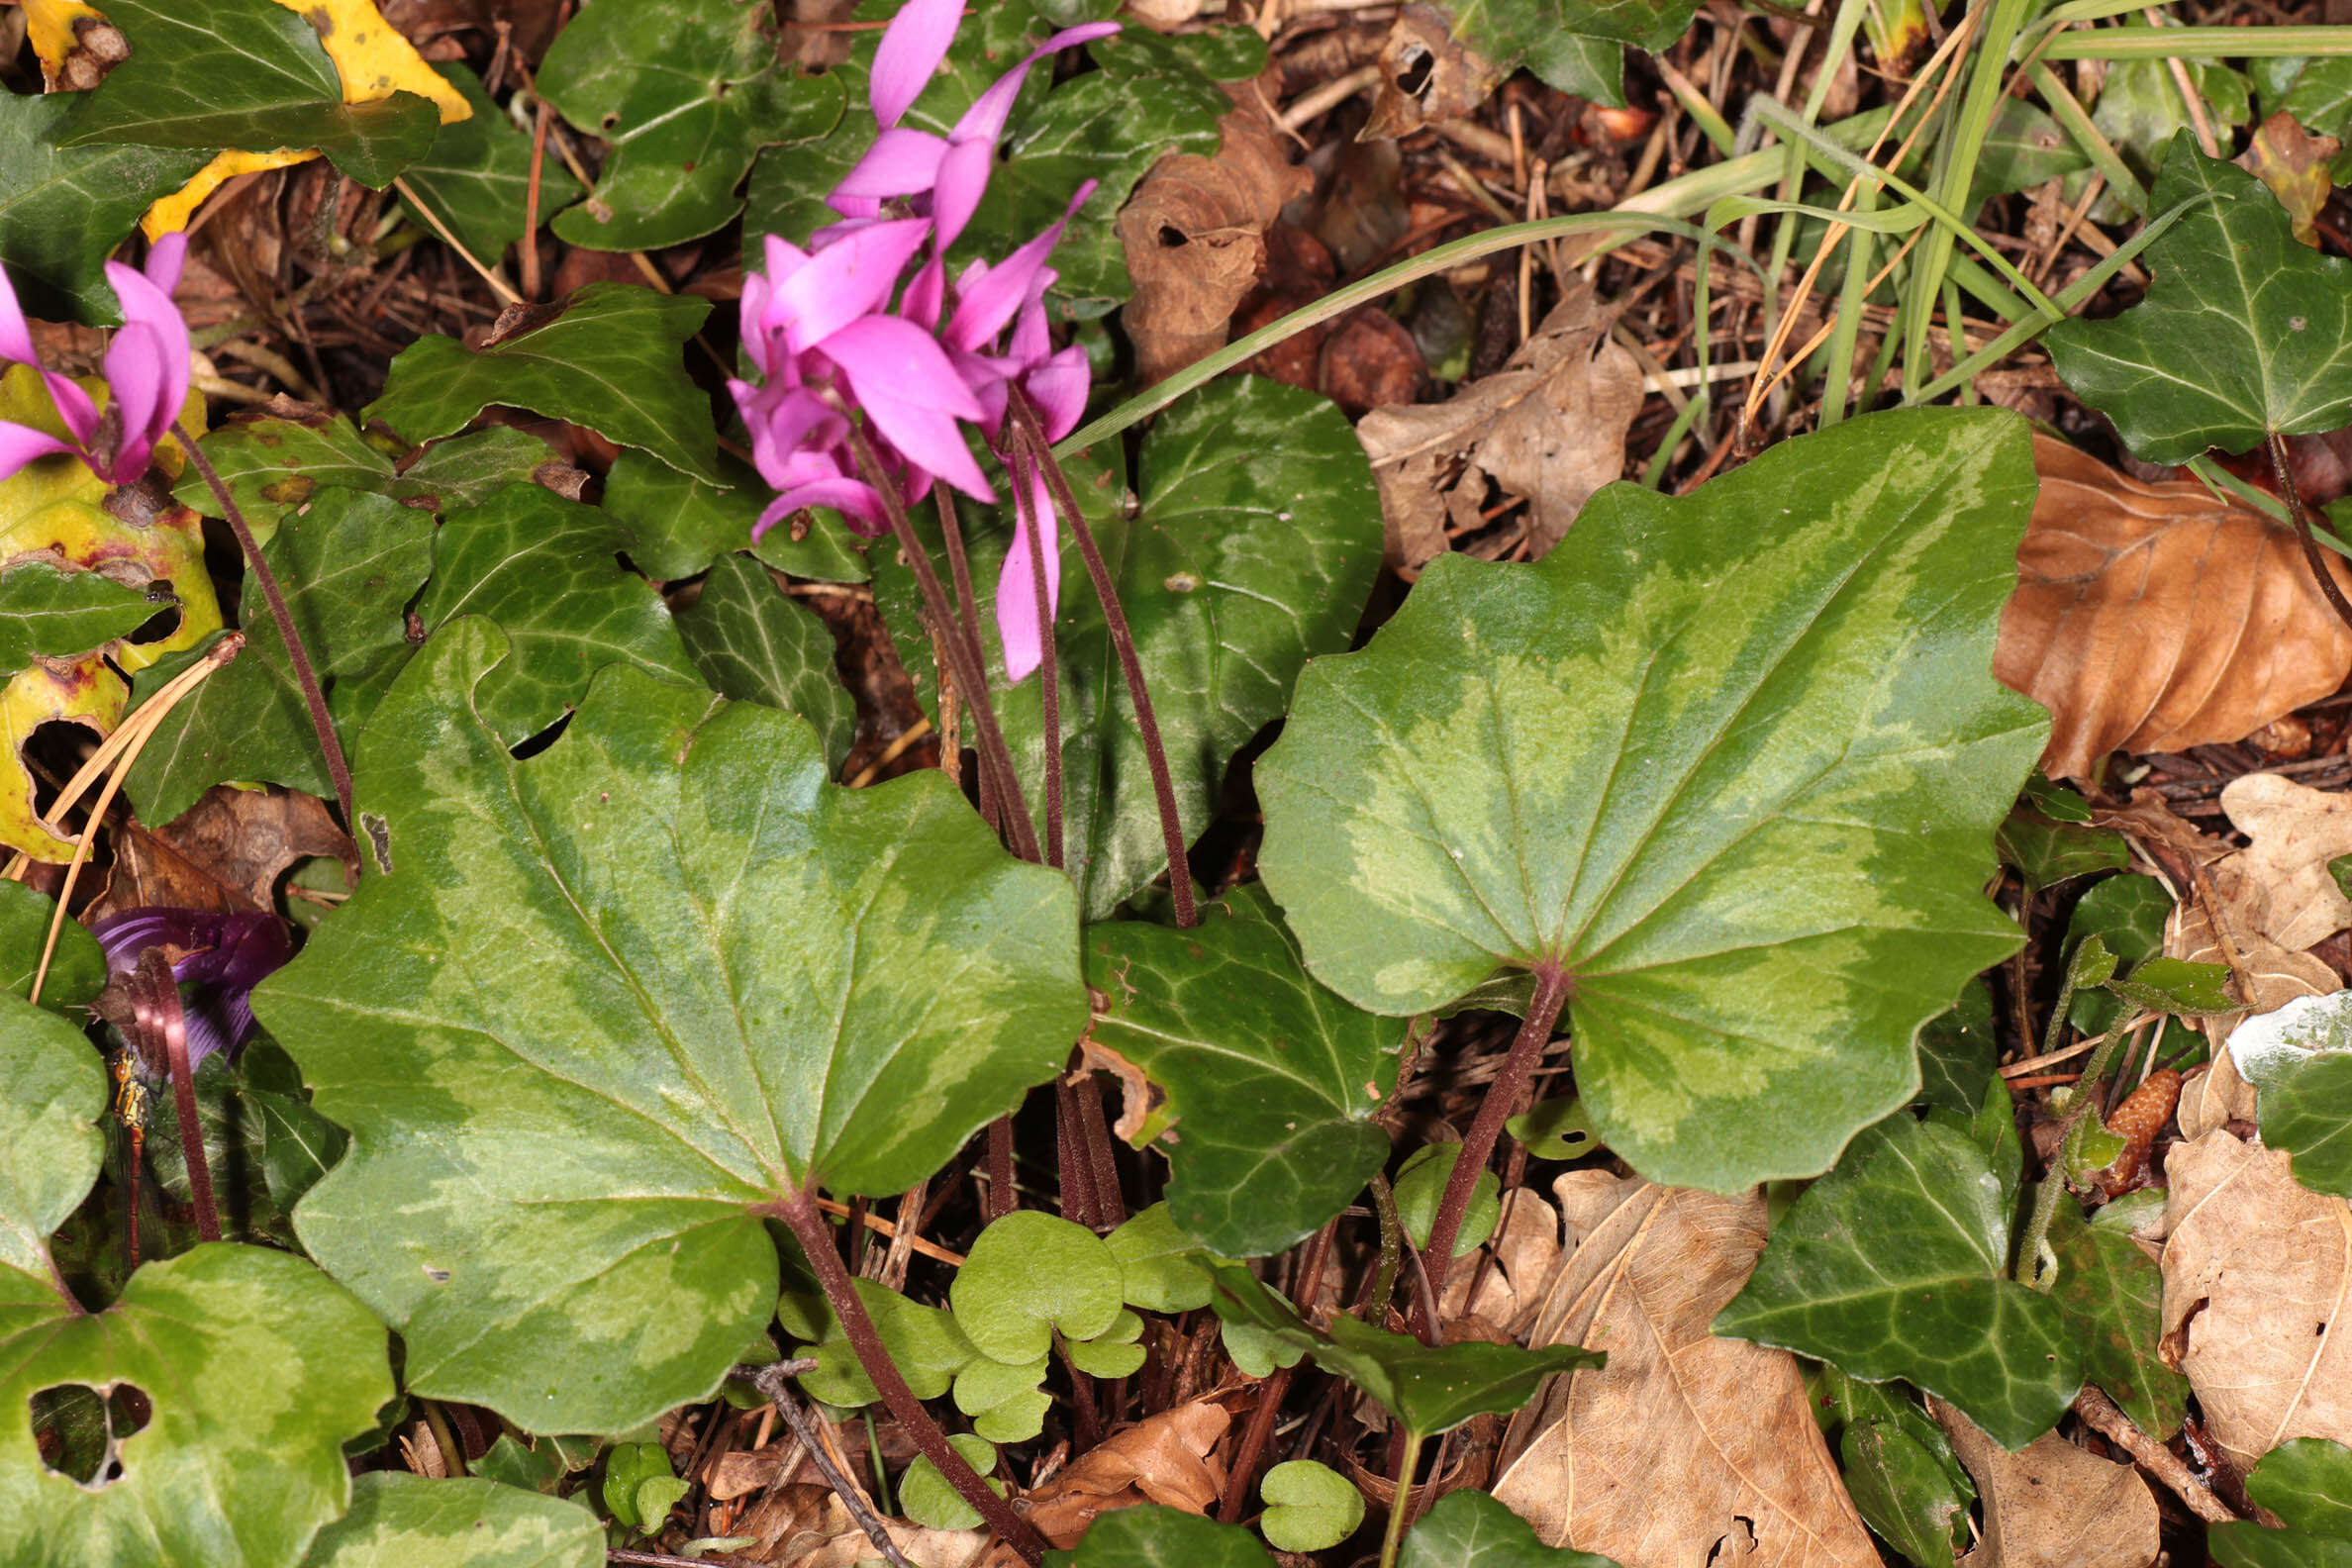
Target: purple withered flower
x=222 y=956
x=146 y=374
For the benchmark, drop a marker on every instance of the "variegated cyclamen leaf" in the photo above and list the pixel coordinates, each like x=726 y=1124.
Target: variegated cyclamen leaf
x=399 y=1520
x=591 y=1013
x=1734 y=761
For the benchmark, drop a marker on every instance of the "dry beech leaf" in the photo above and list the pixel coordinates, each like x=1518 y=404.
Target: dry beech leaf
x=2258 y=1272
x=2281 y=877
x=1549 y=426
x=1170 y=1458
x=2052 y=1505
x=2155 y=616
x=1518 y=1261
x=1449 y=81
x=1194 y=233
x=2214 y=1096
x=226 y=851
x=1720 y=1426
x=2263 y=975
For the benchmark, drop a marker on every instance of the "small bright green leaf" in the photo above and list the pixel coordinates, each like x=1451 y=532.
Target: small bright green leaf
x=1432 y=1389
x=590 y=1015
x=1902 y=1493
x=1508 y=32
x=1309 y=1505
x=1470 y=1529
x=2092 y=963
x=548 y=570
x=245 y=75
x=1155 y=1535
x=1421 y=1185
x=751 y=643
x=656 y=1496
x=2111 y=1293
x=1958 y=1051
x=349 y=567
x=2127 y=914
x=1895 y=1265
x=1157 y=1264
x=679 y=524
x=2243 y=332
x=2307 y=1483
x=1116 y=1352
x=1007 y=1402
x=629 y=1467
x=1028 y=1276
x=401 y=1521
x=63 y=210
x=1556 y=1129
x=77 y=970
x=1269 y=1080
x=1623 y=758
x=608 y=358
x=1257 y=1351
x=2174 y=985
x=923 y=1341
x=60 y=614
x=685 y=93
x=2047 y=852
x=2309 y=1114
x=927 y=1496
x=476 y=176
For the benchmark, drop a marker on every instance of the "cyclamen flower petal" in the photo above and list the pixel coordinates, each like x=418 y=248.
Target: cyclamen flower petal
x=1018 y=631
x=146 y=303
x=1059 y=388
x=908 y=56
x=21 y=444
x=927 y=435
x=844 y=282
x=853 y=499
x=985 y=120
x=899 y=164
x=985 y=302
x=15 y=334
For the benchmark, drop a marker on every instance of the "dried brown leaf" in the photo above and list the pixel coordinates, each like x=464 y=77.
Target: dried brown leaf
x=2258 y=1273
x=1424 y=76
x=2155 y=616
x=1719 y=1427
x=1170 y=1458
x=225 y=852
x=2281 y=879
x=2053 y=1505
x=1515 y=1268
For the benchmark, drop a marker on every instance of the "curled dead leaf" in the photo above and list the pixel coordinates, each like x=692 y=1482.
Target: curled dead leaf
x=2156 y=616
x=1424 y=76
x=1170 y=1458
x=1720 y=1425
x=2257 y=1287
x=2281 y=879
x=2052 y=1505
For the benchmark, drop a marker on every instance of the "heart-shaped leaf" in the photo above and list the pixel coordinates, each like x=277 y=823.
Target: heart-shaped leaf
x=1621 y=758
x=1030 y=1276
x=1159 y=1266
x=751 y=643
x=608 y=358
x=924 y=1342
x=399 y=1520
x=2244 y=333
x=1470 y=1529
x=63 y=210
x=1155 y=1535
x=1421 y=1187
x=590 y=1015
x=1309 y=1505
x=1265 y=1082
x=1895 y=1265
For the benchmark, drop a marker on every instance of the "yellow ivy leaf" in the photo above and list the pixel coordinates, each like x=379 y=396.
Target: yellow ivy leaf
x=79 y=691
x=171 y=213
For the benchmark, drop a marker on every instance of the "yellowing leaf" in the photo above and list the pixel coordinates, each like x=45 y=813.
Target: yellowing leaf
x=172 y=213
x=84 y=692
x=50 y=25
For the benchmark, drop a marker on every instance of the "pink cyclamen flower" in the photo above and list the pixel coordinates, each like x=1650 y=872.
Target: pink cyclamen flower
x=146 y=374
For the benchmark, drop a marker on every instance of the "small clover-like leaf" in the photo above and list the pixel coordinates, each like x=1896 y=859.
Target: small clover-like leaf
x=929 y=1499
x=399 y=1520
x=1030 y=1276
x=1007 y=1404
x=1309 y=1505
x=1159 y=1264
x=1421 y=1185
x=924 y=1343
x=1116 y=1352
x=1470 y=1529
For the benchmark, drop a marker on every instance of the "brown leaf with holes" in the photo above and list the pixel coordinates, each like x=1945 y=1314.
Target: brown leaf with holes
x=1424 y=76
x=2258 y=1273
x=2155 y=616
x=2281 y=879
x=1720 y=1426
x=2052 y=1505
x=225 y=852
x=1170 y=1458
x=1194 y=233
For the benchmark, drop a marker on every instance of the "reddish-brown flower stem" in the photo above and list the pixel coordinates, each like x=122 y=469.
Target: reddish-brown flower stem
x=296 y=654
x=797 y=1211
x=156 y=1006
x=2303 y=529
x=998 y=1200
x=1526 y=1049
x=1049 y=665
x=1030 y=433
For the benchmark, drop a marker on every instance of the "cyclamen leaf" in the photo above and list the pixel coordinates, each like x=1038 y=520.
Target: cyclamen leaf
x=590 y=1015
x=1309 y=1505
x=608 y=358
x=1621 y=758
x=476 y=176
x=1266 y=1082
x=60 y=614
x=63 y=210
x=1470 y=1529
x=1030 y=1276
x=249 y=75
x=1895 y=1265
x=1155 y=1535
x=751 y=643
x=254 y=1362
x=2243 y=333
x=398 y=1520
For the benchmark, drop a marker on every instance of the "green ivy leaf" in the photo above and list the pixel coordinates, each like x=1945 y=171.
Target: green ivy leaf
x=2127 y=914
x=1958 y=1053
x=476 y=176
x=927 y=1496
x=1158 y=1264
x=1895 y=1265
x=63 y=210
x=246 y=74
x=1030 y=1276
x=2047 y=852
x=685 y=92
x=398 y=1520
x=608 y=358
x=77 y=970
x=679 y=524
x=1432 y=1389
x=1270 y=1081
x=1904 y=1491
x=2174 y=985
x=2111 y=1293
x=276 y=457
x=252 y=1361
x=2309 y=1114
x=2307 y=1483
x=2320 y=99
x=1309 y=1507
x=1232 y=574
x=1565 y=40
x=1621 y=757
x=1421 y=1186
x=751 y=643
x=2243 y=333
x=548 y=570
x=348 y=567
x=58 y=614
x=1470 y=1529
x=1155 y=1535
x=590 y=1015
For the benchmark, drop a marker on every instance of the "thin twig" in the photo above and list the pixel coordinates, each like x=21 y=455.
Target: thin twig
x=2100 y=1415
x=498 y=285
x=774 y=1380
x=296 y=654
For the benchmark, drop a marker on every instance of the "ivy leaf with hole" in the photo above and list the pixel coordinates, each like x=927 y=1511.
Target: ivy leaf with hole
x=63 y=210
x=2243 y=334
x=592 y=1014
x=608 y=358
x=398 y=1520
x=1263 y=1082
x=244 y=1361
x=1621 y=758
x=2111 y=1296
